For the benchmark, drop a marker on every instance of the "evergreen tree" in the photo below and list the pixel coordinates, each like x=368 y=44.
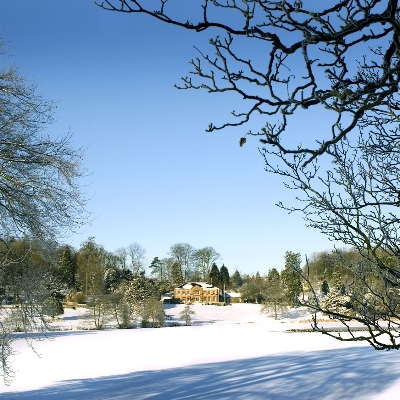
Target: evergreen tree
x=167 y=272
x=273 y=276
x=236 y=281
x=53 y=306
x=215 y=276
x=325 y=287
x=224 y=276
x=176 y=273
x=69 y=268
x=291 y=277
x=157 y=268
x=186 y=314
x=336 y=303
x=113 y=278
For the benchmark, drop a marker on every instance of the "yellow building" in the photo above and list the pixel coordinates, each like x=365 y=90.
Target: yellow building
x=197 y=292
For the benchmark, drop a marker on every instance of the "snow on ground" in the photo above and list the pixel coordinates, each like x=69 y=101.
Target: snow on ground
x=231 y=352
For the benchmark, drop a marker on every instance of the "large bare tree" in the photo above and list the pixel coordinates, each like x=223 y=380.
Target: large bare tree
x=204 y=259
x=354 y=200
x=182 y=254
x=281 y=57
x=137 y=254
x=40 y=196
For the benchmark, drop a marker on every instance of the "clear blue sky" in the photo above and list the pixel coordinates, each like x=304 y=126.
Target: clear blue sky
x=157 y=178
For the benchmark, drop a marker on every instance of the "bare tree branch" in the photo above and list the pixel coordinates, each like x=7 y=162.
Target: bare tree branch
x=308 y=67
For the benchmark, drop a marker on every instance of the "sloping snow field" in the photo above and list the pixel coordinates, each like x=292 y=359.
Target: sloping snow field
x=232 y=352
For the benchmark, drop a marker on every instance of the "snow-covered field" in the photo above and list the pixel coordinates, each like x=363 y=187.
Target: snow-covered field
x=229 y=352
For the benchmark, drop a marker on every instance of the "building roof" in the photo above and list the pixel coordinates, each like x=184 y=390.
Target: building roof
x=190 y=285
x=233 y=294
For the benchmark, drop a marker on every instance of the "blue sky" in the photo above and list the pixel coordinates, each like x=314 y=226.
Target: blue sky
x=156 y=177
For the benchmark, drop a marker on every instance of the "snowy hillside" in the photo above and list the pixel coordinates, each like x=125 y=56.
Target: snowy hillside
x=231 y=352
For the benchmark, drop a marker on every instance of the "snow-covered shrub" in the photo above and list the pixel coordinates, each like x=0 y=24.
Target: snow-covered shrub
x=337 y=305
x=136 y=292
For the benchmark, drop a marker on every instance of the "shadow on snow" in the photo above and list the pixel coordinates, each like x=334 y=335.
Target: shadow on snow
x=351 y=373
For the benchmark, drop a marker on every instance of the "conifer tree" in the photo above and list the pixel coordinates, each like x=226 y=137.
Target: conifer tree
x=325 y=287
x=157 y=268
x=176 y=273
x=336 y=302
x=224 y=276
x=69 y=268
x=186 y=314
x=291 y=277
x=236 y=280
x=215 y=276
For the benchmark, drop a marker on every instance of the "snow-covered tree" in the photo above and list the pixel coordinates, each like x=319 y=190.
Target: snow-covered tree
x=114 y=276
x=137 y=291
x=336 y=303
x=152 y=313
